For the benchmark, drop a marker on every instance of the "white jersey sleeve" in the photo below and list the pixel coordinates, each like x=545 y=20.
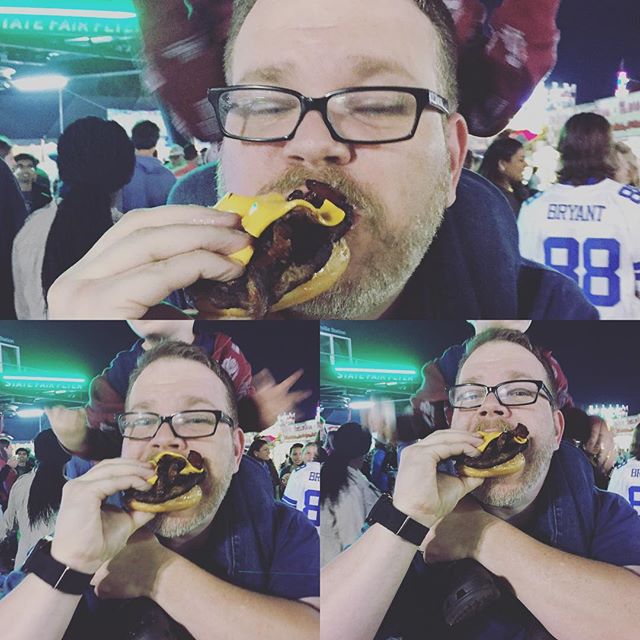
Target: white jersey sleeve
x=303 y=491
x=591 y=234
x=625 y=481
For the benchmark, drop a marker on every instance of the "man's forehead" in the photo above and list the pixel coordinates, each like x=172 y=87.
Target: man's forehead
x=183 y=379
x=285 y=37
x=500 y=359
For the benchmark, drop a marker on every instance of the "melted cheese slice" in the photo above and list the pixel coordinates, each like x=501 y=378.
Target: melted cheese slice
x=258 y=212
x=491 y=436
x=189 y=468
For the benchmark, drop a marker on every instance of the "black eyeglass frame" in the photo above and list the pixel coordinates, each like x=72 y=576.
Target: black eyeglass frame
x=543 y=391
x=221 y=416
x=425 y=98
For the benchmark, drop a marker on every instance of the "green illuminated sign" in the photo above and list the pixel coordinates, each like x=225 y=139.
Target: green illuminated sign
x=375 y=374
x=57 y=17
x=43 y=382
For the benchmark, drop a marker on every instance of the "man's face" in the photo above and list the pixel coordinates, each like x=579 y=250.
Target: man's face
x=310 y=452
x=399 y=190
x=491 y=364
x=296 y=456
x=171 y=385
x=25 y=172
x=22 y=456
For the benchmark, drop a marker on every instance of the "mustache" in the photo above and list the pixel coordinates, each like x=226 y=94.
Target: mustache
x=358 y=196
x=484 y=424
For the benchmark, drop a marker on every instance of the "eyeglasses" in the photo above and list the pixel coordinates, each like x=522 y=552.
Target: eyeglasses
x=513 y=393
x=185 y=424
x=358 y=115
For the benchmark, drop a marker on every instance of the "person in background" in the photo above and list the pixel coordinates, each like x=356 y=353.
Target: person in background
x=587 y=226
x=13 y=213
x=625 y=480
x=95 y=160
x=151 y=181
x=7 y=473
x=35 y=497
x=503 y=164
x=6 y=152
x=627 y=171
x=191 y=159
x=292 y=462
x=34 y=194
x=310 y=452
x=302 y=491
x=177 y=161
x=261 y=451
x=346 y=496
x=24 y=461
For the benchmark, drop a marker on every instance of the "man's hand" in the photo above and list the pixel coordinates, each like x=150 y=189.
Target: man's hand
x=423 y=493
x=133 y=572
x=458 y=534
x=87 y=534
x=273 y=398
x=69 y=425
x=144 y=257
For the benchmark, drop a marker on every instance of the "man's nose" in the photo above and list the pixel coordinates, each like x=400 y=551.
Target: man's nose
x=165 y=438
x=313 y=145
x=491 y=407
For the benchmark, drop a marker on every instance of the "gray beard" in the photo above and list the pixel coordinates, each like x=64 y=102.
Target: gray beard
x=214 y=490
x=390 y=258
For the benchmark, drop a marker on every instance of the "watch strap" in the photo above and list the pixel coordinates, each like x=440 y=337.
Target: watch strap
x=41 y=563
x=385 y=513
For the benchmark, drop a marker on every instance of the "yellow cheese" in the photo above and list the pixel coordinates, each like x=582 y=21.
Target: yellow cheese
x=188 y=468
x=258 y=212
x=519 y=440
x=488 y=437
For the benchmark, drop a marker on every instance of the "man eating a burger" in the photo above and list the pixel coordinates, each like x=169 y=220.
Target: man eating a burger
x=312 y=97
x=199 y=548
x=554 y=543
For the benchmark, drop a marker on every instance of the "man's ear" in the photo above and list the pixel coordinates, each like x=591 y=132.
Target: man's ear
x=558 y=423
x=457 y=139
x=238 y=445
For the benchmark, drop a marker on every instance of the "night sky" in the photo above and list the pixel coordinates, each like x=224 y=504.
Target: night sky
x=85 y=348
x=595 y=35
x=600 y=359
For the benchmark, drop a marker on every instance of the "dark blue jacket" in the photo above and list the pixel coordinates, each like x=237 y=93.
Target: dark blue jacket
x=149 y=186
x=571 y=515
x=473 y=268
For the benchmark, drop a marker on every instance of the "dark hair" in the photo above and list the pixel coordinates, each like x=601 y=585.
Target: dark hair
x=172 y=349
x=435 y=10
x=46 y=489
x=145 y=134
x=255 y=446
x=515 y=337
x=190 y=152
x=586 y=150
x=19 y=449
x=577 y=426
x=350 y=441
x=95 y=160
x=634 y=450
x=27 y=156
x=500 y=150
x=297 y=445
x=5 y=147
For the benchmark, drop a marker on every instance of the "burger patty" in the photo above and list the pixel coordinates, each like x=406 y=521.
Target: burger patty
x=286 y=255
x=170 y=484
x=499 y=450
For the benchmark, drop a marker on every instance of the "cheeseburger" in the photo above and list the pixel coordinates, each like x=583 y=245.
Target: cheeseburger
x=175 y=484
x=501 y=454
x=299 y=252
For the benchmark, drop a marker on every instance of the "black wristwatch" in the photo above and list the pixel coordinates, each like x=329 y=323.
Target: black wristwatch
x=54 y=573
x=401 y=524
